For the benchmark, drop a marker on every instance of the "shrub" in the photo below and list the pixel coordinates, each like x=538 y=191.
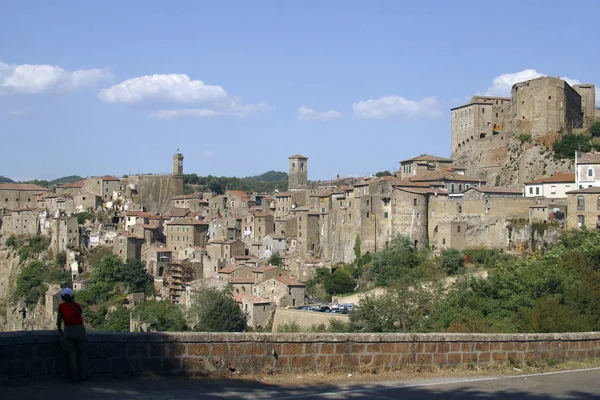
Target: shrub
x=569 y=144
x=525 y=138
x=453 y=261
x=595 y=129
x=11 y=241
x=214 y=311
x=161 y=316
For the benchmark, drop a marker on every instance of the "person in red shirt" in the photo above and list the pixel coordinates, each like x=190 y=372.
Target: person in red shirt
x=71 y=314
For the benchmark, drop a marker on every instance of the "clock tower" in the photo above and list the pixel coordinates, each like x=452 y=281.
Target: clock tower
x=178 y=164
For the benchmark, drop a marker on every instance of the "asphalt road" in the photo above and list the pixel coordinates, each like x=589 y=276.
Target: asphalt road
x=579 y=384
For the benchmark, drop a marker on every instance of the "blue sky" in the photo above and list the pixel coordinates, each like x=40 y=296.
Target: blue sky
x=113 y=87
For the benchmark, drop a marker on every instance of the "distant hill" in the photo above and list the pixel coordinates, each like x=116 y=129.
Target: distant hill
x=66 y=179
x=4 y=179
x=270 y=176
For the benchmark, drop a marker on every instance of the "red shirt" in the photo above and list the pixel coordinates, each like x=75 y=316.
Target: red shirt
x=71 y=313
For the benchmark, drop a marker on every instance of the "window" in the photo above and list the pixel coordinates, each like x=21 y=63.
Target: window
x=433 y=213
x=460 y=187
x=580 y=221
x=367 y=214
x=549 y=97
x=580 y=203
x=552 y=189
x=385 y=214
x=496 y=115
x=414 y=202
x=368 y=202
x=483 y=110
x=481 y=135
x=459 y=207
x=489 y=124
x=537 y=191
x=444 y=241
x=458 y=228
x=590 y=172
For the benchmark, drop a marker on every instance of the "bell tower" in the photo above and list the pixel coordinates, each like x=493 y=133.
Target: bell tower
x=178 y=164
x=298 y=174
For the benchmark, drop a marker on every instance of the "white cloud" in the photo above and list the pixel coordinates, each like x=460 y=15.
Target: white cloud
x=394 y=106
x=163 y=87
x=207 y=153
x=502 y=84
x=308 y=114
x=39 y=78
x=233 y=109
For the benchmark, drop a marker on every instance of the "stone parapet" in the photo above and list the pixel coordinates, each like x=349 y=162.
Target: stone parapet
x=38 y=353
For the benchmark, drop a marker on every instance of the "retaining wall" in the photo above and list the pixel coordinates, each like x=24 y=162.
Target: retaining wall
x=37 y=353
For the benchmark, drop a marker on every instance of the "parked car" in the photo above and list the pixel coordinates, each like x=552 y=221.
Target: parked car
x=339 y=311
x=303 y=308
x=321 y=309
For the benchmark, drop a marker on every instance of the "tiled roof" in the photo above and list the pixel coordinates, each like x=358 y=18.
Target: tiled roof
x=289 y=281
x=497 y=189
x=239 y=193
x=593 y=190
x=298 y=156
x=265 y=268
x=110 y=178
x=560 y=177
x=427 y=157
x=187 y=221
x=179 y=212
x=250 y=298
x=443 y=175
x=73 y=185
x=588 y=158
x=228 y=269
x=22 y=187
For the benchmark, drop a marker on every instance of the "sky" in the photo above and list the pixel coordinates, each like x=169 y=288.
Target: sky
x=114 y=87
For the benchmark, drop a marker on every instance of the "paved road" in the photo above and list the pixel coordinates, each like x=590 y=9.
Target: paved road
x=580 y=384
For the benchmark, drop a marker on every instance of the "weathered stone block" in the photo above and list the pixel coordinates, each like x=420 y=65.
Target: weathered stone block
x=201 y=349
x=137 y=350
x=194 y=364
x=454 y=358
x=177 y=349
x=293 y=349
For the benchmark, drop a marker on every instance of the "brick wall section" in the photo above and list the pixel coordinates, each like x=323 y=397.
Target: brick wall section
x=37 y=353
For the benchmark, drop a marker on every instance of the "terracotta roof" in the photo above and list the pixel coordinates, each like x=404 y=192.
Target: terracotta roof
x=239 y=193
x=560 y=177
x=593 y=190
x=289 y=281
x=588 y=158
x=148 y=226
x=496 y=189
x=228 y=269
x=73 y=185
x=110 y=178
x=427 y=157
x=179 y=212
x=443 y=175
x=265 y=268
x=187 y=221
x=284 y=194
x=22 y=187
x=241 y=280
x=298 y=156
x=252 y=299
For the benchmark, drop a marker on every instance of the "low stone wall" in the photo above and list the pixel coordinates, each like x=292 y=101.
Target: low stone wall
x=37 y=353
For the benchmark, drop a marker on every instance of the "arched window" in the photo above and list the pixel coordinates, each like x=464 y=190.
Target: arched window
x=580 y=203
x=161 y=271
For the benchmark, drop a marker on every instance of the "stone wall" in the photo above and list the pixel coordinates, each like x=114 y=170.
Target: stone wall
x=154 y=192
x=37 y=353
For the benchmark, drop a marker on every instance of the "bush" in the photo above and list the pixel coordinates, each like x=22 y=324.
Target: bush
x=569 y=144
x=398 y=260
x=340 y=282
x=61 y=258
x=29 y=281
x=11 y=241
x=84 y=216
x=117 y=321
x=160 y=316
x=595 y=129
x=525 y=138
x=275 y=259
x=214 y=311
x=453 y=261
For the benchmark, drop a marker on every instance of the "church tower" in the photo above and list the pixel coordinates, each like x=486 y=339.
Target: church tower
x=178 y=164
x=298 y=174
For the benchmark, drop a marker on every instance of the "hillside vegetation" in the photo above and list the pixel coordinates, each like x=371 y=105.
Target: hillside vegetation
x=267 y=182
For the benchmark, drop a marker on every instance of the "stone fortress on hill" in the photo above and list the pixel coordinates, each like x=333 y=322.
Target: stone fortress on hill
x=486 y=132
x=498 y=191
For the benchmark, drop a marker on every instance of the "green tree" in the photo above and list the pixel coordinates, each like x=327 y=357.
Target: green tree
x=11 y=241
x=29 y=282
x=84 y=216
x=340 y=282
x=161 y=316
x=383 y=173
x=566 y=146
x=116 y=321
x=133 y=275
x=108 y=270
x=398 y=260
x=275 y=259
x=214 y=311
x=453 y=261
x=595 y=129
x=61 y=258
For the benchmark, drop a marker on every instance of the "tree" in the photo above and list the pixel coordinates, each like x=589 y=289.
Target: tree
x=275 y=259
x=569 y=144
x=339 y=282
x=61 y=258
x=383 y=173
x=108 y=270
x=453 y=261
x=161 y=316
x=117 y=321
x=214 y=311
x=84 y=216
x=398 y=260
x=133 y=275
x=595 y=129
x=29 y=282
x=11 y=241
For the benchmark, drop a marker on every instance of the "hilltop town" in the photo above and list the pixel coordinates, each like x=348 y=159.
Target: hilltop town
x=503 y=188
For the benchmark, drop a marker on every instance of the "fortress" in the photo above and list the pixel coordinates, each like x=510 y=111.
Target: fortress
x=539 y=111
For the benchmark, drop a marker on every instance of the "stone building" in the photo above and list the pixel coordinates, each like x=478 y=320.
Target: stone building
x=19 y=195
x=102 y=186
x=267 y=272
x=587 y=170
x=70 y=188
x=64 y=233
x=298 y=172
x=421 y=164
x=257 y=309
x=545 y=105
x=588 y=103
x=186 y=232
x=583 y=207
x=127 y=247
x=554 y=187
x=86 y=202
x=20 y=222
x=284 y=291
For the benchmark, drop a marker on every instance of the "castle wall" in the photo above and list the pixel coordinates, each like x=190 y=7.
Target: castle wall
x=154 y=192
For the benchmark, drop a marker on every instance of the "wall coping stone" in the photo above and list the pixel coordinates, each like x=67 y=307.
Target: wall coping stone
x=34 y=337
